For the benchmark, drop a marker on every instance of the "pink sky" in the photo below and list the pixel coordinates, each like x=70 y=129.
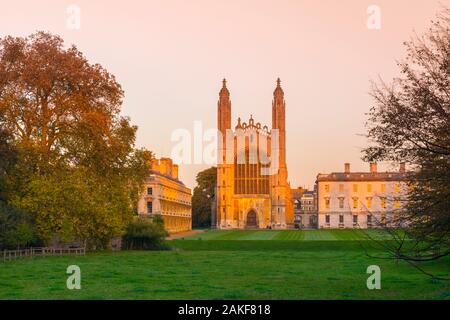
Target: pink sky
x=170 y=57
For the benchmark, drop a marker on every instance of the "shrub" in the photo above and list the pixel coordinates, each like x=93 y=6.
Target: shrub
x=145 y=234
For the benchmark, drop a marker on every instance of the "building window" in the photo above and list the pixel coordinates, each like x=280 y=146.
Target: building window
x=327 y=218
x=341 y=187
x=341 y=203
x=327 y=203
x=397 y=203
x=397 y=188
x=369 y=202
x=369 y=219
x=149 y=207
x=355 y=218
x=150 y=191
x=383 y=187
x=383 y=202
x=355 y=203
x=355 y=188
x=341 y=218
x=369 y=187
x=327 y=188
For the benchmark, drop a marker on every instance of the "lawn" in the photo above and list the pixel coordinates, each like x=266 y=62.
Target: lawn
x=311 y=235
x=321 y=265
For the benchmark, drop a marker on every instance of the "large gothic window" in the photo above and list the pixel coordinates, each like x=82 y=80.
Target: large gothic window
x=248 y=178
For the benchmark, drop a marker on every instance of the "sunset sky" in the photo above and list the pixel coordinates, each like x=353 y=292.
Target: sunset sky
x=170 y=58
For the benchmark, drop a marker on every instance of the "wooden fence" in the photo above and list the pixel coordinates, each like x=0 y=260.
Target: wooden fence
x=41 y=252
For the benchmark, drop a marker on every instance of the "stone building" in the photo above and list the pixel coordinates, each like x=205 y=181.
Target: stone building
x=250 y=193
x=166 y=195
x=296 y=198
x=305 y=208
x=360 y=199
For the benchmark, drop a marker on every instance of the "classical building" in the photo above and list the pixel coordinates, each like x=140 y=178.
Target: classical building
x=296 y=197
x=167 y=196
x=305 y=208
x=360 y=199
x=252 y=188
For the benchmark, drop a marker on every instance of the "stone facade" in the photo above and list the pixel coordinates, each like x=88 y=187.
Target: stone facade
x=166 y=195
x=305 y=208
x=360 y=199
x=247 y=196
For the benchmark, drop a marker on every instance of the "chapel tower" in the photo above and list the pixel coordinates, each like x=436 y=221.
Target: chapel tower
x=252 y=188
x=279 y=180
x=224 y=170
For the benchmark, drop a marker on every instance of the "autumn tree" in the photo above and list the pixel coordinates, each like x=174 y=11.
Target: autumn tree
x=203 y=197
x=410 y=122
x=78 y=169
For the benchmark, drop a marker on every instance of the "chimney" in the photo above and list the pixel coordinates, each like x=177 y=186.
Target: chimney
x=155 y=164
x=175 y=171
x=166 y=166
x=373 y=167
x=347 y=167
x=402 y=167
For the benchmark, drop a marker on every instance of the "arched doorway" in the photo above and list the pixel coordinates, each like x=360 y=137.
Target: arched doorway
x=252 y=219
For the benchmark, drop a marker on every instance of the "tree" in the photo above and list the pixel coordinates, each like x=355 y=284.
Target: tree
x=411 y=122
x=8 y=158
x=203 y=197
x=78 y=171
x=17 y=229
x=50 y=96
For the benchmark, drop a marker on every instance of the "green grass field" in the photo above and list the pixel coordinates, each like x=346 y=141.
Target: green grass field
x=323 y=264
x=308 y=235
